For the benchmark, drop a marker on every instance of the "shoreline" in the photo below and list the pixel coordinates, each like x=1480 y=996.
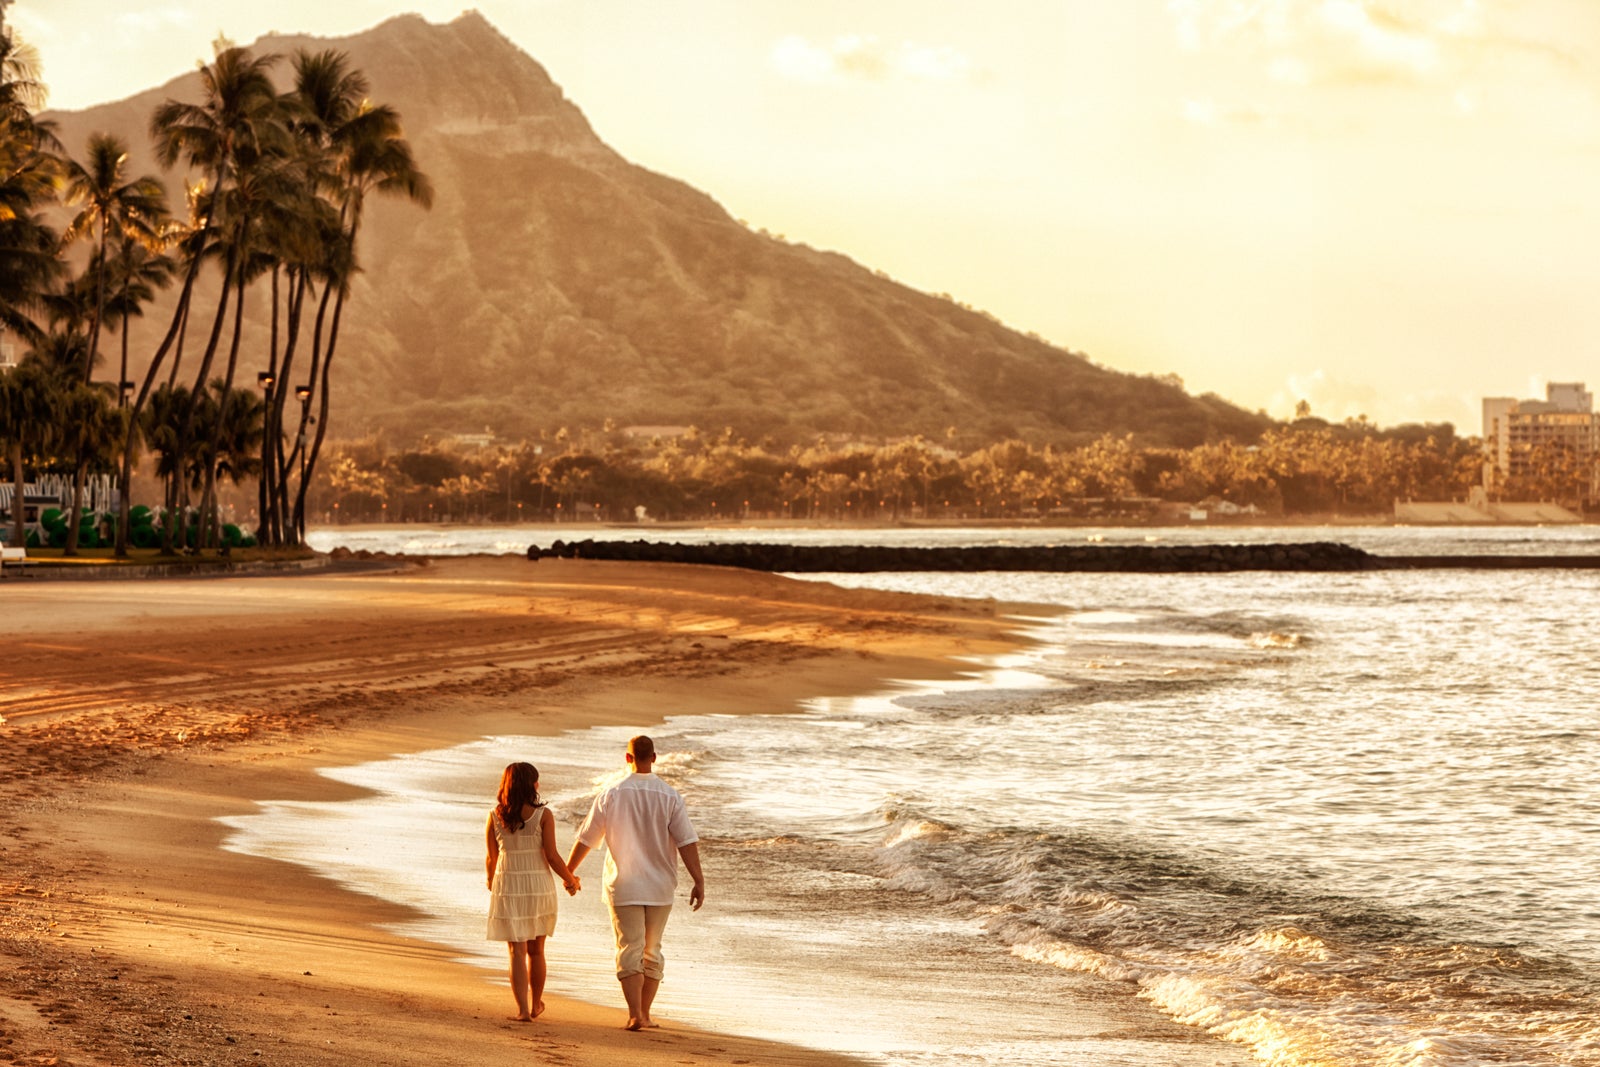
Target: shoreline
x=132 y=934
x=1221 y=524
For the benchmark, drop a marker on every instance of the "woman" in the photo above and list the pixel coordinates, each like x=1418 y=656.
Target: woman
x=521 y=839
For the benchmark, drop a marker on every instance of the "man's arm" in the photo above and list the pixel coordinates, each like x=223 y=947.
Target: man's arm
x=691 y=860
x=594 y=828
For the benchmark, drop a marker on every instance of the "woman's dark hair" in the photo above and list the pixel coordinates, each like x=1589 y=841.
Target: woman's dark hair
x=519 y=787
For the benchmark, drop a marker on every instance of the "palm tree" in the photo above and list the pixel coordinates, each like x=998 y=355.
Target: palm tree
x=29 y=263
x=298 y=238
x=135 y=275
x=237 y=415
x=91 y=429
x=65 y=351
x=269 y=198
x=29 y=175
x=366 y=153
x=191 y=242
x=237 y=126
x=114 y=206
x=61 y=354
x=21 y=91
x=28 y=266
x=29 y=399
x=160 y=425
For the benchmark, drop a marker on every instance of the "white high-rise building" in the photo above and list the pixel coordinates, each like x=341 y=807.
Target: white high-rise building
x=1516 y=432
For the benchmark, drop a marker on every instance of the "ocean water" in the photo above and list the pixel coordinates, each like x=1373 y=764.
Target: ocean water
x=1307 y=819
x=427 y=539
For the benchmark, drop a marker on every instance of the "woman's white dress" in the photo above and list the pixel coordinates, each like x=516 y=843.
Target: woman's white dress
x=522 y=897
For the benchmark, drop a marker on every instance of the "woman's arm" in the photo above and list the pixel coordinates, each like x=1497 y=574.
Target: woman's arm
x=494 y=849
x=547 y=834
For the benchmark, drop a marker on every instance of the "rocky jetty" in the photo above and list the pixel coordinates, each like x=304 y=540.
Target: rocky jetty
x=1155 y=559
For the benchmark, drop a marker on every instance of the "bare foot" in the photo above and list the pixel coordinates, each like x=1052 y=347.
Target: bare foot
x=633 y=1024
x=520 y=1018
x=538 y=1010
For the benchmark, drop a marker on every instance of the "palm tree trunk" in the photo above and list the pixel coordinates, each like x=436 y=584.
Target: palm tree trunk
x=180 y=316
x=122 y=374
x=264 y=489
x=272 y=423
x=211 y=516
x=19 y=532
x=197 y=394
x=74 y=513
x=209 y=535
x=177 y=357
x=99 y=306
x=317 y=363
x=309 y=464
x=169 y=521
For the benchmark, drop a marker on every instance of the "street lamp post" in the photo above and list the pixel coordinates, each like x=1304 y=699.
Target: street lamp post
x=271 y=531
x=302 y=393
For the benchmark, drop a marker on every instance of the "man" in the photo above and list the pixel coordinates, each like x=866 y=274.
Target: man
x=643 y=822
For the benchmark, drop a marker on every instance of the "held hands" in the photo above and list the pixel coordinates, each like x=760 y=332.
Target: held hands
x=573 y=884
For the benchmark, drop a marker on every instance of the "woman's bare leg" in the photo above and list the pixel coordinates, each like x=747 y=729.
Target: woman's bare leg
x=536 y=975
x=519 y=977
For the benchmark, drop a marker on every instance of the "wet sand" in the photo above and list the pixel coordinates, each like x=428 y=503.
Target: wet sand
x=138 y=712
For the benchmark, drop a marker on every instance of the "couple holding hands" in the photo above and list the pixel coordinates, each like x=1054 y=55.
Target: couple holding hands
x=646 y=830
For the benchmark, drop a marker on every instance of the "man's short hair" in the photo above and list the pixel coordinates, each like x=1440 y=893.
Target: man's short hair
x=642 y=749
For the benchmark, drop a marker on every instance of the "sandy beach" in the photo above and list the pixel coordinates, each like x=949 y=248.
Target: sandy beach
x=138 y=712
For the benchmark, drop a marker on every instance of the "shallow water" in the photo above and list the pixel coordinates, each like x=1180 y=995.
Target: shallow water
x=1333 y=819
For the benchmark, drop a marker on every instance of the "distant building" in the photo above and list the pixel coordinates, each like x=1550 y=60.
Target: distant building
x=1514 y=429
x=652 y=433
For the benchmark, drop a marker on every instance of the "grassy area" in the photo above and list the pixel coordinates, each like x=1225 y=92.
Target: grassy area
x=143 y=557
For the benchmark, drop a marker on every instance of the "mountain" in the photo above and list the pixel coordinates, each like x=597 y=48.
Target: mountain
x=556 y=283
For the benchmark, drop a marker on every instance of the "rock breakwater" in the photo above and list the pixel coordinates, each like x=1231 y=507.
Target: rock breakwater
x=1155 y=559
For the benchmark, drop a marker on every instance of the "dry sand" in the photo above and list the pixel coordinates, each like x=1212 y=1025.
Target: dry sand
x=137 y=712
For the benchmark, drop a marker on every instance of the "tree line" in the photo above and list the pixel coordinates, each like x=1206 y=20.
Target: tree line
x=1303 y=468
x=275 y=184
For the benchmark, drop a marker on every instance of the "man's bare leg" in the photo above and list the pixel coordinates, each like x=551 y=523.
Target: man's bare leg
x=633 y=993
x=647 y=997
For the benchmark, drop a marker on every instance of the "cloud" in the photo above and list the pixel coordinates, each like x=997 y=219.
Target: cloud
x=1359 y=42
x=1200 y=112
x=154 y=21
x=1500 y=65
x=1205 y=111
x=1330 y=397
x=32 y=27
x=862 y=58
x=1370 y=44
x=1336 y=399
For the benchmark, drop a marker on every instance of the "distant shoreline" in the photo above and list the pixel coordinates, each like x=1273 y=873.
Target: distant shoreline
x=1227 y=523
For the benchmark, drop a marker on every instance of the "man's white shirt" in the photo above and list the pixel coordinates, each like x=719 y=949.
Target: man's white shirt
x=643 y=823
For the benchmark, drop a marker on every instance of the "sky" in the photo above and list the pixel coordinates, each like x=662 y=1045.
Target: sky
x=1383 y=208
